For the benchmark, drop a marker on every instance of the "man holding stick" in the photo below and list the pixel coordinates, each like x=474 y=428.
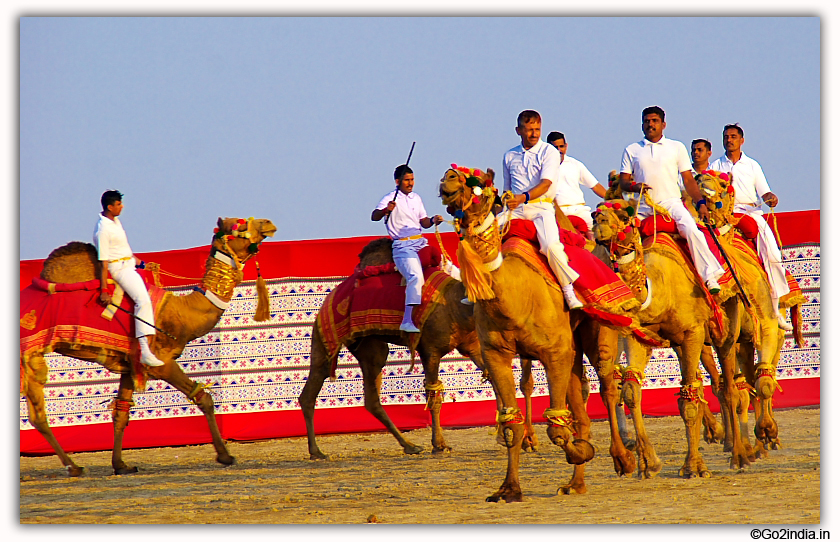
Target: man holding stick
x=406 y=219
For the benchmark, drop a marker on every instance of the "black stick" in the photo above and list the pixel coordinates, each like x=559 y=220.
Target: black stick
x=145 y=322
x=397 y=191
x=726 y=259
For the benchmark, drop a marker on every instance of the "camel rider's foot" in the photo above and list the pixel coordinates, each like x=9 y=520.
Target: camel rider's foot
x=146 y=356
x=407 y=325
x=713 y=286
x=466 y=301
x=783 y=323
x=571 y=298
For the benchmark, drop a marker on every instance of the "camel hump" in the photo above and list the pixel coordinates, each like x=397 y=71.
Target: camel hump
x=73 y=262
x=377 y=252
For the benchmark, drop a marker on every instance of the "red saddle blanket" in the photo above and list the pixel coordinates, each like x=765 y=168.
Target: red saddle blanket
x=603 y=292
x=747 y=246
x=52 y=314
x=371 y=302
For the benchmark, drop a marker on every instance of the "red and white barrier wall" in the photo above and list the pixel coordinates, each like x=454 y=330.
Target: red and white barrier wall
x=257 y=370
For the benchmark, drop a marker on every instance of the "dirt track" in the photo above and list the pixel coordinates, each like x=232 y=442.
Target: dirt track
x=368 y=475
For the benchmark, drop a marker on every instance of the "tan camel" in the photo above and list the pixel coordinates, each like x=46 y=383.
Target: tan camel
x=517 y=312
x=676 y=308
x=766 y=338
x=184 y=317
x=450 y=326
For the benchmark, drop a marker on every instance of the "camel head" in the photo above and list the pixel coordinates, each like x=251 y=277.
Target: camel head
x=717 y=189
x=616 y=224
x=241 y=237
x=468 y=194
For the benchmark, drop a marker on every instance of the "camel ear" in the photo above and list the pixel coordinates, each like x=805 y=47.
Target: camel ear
x=220 y=224
x=491 y=173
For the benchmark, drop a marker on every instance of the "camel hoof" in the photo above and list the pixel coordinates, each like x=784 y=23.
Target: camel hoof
x=412 y=449
x=313 y=456
x=125 y=470
x=630 y=445
x=579 y=452
x=441 y=449
x=564 y=490
x=74 y=471
x=226 y=460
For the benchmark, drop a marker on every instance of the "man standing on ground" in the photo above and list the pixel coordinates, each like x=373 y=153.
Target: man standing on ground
x=572 y=175
x=531 y=172
x=657 y=163
x=750 y=184
x=407 y=216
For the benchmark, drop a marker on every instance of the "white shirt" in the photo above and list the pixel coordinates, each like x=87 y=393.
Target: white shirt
x=747 y=179
x=658 y=165
x=573 y=174
x=406 y=216
x=110 y=240
x=524 y=169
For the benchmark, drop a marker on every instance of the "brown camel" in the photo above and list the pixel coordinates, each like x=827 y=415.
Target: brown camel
x=449 y=327
x=184 y=317
x=517 y=312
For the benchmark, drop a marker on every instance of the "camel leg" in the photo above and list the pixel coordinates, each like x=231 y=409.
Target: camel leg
x=581 y=425
x=600 y=343
x=631 y=390
x=372 y=355
x=526 y=386
x=690 y=405
x=713 y=431
x=120 y=416
x=434 y=399
x=35 y=374
x=510 y=421
x=319 y=371
x=172 y=373
x=766 y=428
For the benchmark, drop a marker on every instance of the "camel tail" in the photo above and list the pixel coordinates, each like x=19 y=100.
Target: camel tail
x=796 y=320
x=477 y=280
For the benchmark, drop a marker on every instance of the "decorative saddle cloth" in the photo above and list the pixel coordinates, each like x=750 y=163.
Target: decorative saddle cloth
x=603 y=292
x=53 y=314
x=371 y=301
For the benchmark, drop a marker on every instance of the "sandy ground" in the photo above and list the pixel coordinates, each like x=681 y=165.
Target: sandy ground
x=369 y=478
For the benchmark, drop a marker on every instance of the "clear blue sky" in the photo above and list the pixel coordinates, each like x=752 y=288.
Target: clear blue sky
x=302 y=120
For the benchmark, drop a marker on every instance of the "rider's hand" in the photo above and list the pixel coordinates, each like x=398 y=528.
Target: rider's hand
x=390 y=207
x=104 y=298
x=703 y=213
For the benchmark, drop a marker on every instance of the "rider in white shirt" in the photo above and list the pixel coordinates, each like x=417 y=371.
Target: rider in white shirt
x=656 y=164
x=751 y=190
x=573 y=174
x=116 y=257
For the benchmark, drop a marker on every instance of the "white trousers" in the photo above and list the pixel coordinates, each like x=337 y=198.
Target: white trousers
x=545 y=222
x=580 y=211
x=768 y=251
x=126 y=276
x=707 y=265
x=408 y=264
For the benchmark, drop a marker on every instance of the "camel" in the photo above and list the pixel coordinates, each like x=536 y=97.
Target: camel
x=756 y=377
x=183 y=317
x=517 y=312
x=449 y=327
x=676 y=307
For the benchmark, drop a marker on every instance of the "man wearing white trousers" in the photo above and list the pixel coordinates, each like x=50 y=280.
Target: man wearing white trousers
x=406 y=216
x=531 y=173
x=655 y=165
x=750 y=184
x=116 y=257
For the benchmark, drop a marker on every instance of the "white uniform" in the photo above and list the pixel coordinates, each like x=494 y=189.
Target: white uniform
x=659 y=165
x=403 y=224
x=523 y=170
x=750 y=184
x=111 y=244
x=572 y=175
